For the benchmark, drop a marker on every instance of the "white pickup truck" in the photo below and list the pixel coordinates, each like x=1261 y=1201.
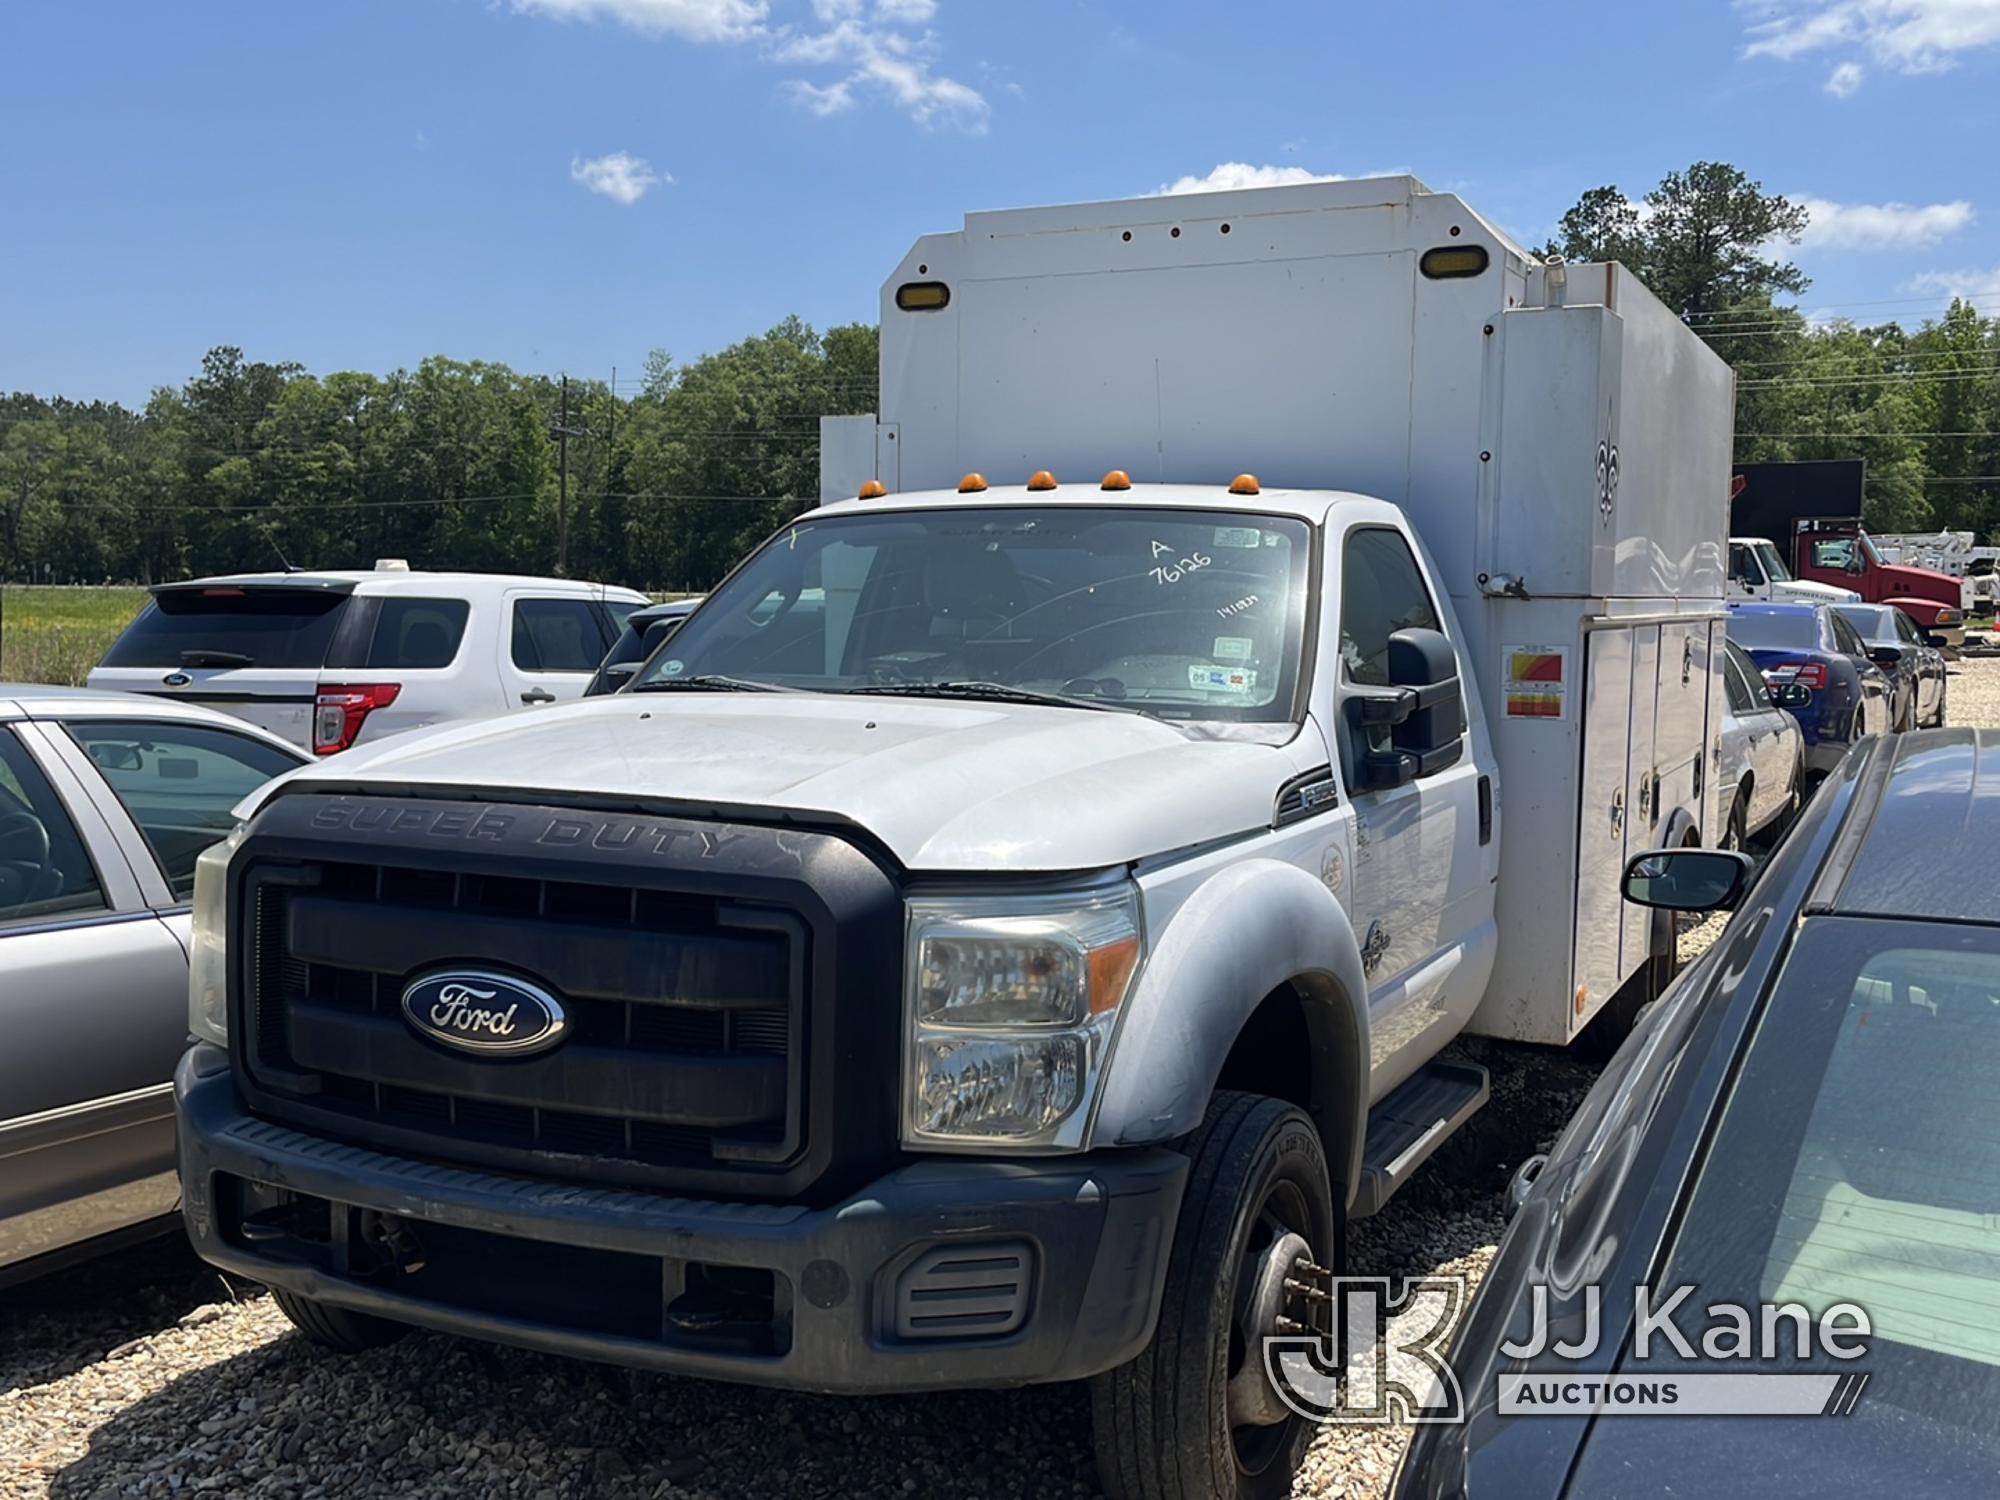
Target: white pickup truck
x=1010 y=930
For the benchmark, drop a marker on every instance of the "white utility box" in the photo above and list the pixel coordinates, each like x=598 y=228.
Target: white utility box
x=1559 y=438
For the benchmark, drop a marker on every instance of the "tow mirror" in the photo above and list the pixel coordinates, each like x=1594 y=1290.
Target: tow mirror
x=1791 y=695
x=1422 y=712
x=1687 y=879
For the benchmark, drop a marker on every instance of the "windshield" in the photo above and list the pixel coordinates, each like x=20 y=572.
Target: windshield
x=1852 y=1163
x=1774 y=565
x=281 y=627
x=1871 y=624
x=1774 y=630
x=1180 y=613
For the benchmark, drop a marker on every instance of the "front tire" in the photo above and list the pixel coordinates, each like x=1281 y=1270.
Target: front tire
x=336 y=1328
x=1192 y=1416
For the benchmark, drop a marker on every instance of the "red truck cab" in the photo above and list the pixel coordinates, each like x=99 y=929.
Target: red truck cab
x=1840 y=553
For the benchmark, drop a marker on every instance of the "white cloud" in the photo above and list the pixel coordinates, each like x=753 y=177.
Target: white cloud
x=692 y=20
x=1880 y=226
x=873 y=55
x=1231 y=175
x=1907 y=36
x=1981 y=288
x=619 y=176
x=1844 y=80
x=880 y=47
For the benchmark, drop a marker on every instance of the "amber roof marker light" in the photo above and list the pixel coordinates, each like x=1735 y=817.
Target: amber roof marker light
x=972 y=484
x=1448 y=261
x=923 y=296
x=1244 y=484
x=1041 y=479
x=874 y=489
x=1117 y=479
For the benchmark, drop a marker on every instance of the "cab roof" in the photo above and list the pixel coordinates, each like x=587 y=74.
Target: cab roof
x=1935 y=810
x=1307 y=505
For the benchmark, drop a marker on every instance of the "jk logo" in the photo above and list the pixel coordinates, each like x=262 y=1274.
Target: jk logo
x=1370 y=1356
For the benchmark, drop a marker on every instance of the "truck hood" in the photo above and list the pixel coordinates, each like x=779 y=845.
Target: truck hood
x=1906 y=582
x=944 y=785
x=1806 y=590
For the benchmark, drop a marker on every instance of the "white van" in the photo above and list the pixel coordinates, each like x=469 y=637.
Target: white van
x=329 y=659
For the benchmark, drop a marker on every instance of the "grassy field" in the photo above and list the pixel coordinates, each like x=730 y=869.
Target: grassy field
x=58 y=634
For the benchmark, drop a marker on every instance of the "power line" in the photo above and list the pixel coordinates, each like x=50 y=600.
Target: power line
x=1858 y=436
x=1912 y=377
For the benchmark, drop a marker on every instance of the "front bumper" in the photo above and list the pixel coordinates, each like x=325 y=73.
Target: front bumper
x=948 y=1273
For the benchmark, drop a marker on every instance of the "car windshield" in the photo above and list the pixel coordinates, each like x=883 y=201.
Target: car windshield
x=1774 y=565
x=1871 y=624
x=1854 y=1161
x=1774 y=630
x=1184 y=614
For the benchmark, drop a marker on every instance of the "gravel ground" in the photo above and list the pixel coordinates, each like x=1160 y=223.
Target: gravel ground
x=147 y=1374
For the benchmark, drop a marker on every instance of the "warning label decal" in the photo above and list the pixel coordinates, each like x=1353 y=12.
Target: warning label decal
x=1534 y=680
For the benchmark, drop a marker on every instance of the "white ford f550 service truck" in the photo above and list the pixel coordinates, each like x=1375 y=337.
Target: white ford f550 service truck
x=1011 y=928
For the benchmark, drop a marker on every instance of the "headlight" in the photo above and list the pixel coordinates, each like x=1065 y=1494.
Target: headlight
x=1012 y=1003
x=208 y=954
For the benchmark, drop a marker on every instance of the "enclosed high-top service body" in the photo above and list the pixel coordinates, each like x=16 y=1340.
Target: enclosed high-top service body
x=1560 y=440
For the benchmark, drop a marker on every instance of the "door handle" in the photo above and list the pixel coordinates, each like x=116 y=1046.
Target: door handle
x=538 y=695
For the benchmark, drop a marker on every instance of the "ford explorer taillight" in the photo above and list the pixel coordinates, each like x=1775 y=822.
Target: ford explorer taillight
x=341 y=708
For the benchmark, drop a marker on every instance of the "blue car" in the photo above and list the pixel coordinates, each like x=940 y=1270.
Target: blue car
x=1812 y=646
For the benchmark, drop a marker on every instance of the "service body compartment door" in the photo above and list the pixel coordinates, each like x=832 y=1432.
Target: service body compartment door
x=1642 y=798
x=1687 y=677
x=1606 y=812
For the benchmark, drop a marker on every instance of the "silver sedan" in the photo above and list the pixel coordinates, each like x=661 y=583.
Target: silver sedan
x=105 y=801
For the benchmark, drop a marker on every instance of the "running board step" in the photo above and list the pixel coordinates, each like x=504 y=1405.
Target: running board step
x=1412 y=1122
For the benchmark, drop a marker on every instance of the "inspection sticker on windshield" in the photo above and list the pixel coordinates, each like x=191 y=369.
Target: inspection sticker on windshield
x=1238 y=536
x=672 y=668
x=1233 y=647
x=1222 y=679
x=1536 y=680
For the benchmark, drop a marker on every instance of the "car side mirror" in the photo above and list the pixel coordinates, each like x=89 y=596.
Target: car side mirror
x=1422 y=708
x=111 y=755
x=1687 y=879
x=1791 y=695
x=1935 y=642
x=1856 y=566
x=1886 y=656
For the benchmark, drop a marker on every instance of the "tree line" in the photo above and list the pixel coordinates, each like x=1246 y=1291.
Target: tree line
x=457 y=464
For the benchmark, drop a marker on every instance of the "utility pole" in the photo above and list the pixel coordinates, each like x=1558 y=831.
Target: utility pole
x=562 y=485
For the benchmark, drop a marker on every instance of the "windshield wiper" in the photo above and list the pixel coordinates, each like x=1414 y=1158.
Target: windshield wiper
x=216 y=659
x=709 y=682
x=1000 y=692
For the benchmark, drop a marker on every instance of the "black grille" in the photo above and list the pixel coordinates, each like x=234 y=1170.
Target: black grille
x=686 y=1014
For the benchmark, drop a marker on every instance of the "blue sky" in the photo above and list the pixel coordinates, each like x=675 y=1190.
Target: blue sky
x=566 y=184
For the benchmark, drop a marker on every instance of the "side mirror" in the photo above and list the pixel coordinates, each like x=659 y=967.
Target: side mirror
x=1887 y=657
x=1422 y=710
x=112 y=755
x=1687 y=879
x=1935 y=642
x=1791 y=695
x=1856 y=565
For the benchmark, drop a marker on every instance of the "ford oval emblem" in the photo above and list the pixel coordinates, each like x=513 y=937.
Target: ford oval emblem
x=490 y=1014
x=176 y=679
